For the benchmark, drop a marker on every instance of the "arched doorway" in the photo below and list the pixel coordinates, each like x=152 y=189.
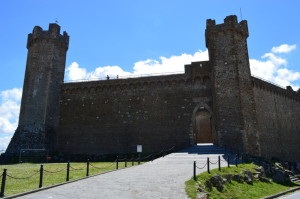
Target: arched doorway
x=203 y=124
x=203 y=127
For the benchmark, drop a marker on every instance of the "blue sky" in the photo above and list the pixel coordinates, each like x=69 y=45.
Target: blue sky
x=135 y=37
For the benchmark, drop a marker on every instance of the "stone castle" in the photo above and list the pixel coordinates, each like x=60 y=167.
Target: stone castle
x=215 y=101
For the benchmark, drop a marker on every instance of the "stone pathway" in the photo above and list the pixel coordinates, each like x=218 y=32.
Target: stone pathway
x=163 y=178
x=295 y=195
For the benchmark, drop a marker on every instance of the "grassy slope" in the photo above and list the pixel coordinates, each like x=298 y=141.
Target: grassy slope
x=235 y=189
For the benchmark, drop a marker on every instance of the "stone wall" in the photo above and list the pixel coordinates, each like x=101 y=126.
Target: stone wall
x=113 y=116
x=278 y=116
x=246 y=114
x=234 y=106
x=44 y=75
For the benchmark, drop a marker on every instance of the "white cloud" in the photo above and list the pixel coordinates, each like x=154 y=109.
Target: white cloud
x=9 y=114
x=168 y=65
x=173 y=64
x=9 y=109
x=112 y=71
x=276 y=60
x=271 y=67
x=4 y=141
x=283 y=48
x=74 y=72
x=274 y=68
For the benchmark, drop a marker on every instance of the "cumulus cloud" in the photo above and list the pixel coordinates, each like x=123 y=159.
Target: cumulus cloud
x=9 y=109
x=4 y=141
x=274 y=68
x=74 y=72
x=9 y=114
x=284 y=48
x=173 y=64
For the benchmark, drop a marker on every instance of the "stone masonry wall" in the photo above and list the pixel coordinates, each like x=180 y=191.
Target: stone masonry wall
x=113 y=116
x=44 y=75
x=232 y=89
x=278 y=116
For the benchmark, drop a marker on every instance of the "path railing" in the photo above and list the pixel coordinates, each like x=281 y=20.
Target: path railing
x=236 y=159
x=68 y=168
x=111 y=77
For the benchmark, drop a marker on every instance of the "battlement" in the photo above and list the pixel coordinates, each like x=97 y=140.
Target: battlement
x=52 y=34
x=267 y=86
x=230 y=24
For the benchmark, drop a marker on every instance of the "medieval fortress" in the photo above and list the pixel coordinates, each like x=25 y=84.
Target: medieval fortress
x=216 y=101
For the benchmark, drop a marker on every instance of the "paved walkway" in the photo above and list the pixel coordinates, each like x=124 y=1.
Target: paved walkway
x=163 y=178
x=295 y=195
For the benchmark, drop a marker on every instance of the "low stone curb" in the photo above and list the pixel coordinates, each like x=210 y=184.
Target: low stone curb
x=282 y=193
x=205 y=196
x=56 y=185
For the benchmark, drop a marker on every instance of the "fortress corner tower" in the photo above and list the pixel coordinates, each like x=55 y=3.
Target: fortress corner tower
x=44 y=76
x=233 y=97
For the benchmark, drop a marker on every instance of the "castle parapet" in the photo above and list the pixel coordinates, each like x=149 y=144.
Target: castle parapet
x=268 y=86
x=52 y=34
x=230 y=24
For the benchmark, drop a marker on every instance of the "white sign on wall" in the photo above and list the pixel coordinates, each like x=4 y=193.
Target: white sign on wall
x=139 y=148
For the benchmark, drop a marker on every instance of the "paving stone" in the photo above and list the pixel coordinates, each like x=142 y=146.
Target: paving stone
x=163 y=178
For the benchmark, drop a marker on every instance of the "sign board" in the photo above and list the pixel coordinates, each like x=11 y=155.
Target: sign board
x=139 y=148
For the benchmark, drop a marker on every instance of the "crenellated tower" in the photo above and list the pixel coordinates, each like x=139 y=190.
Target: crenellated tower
x=233 y=97
x=44 y=75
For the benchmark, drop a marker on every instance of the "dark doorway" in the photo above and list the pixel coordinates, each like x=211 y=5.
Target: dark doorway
x=203 y=130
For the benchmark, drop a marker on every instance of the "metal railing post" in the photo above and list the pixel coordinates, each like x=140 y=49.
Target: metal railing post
x=41 y=176
x=3 y=182
x=125 y=161
x=132 y=163
x=194 y=169
x=236 y=160
x=68 y=171
x=88 y=167
x=208 y=169
x=228 y=161
x=117 y=162
x=219 y=162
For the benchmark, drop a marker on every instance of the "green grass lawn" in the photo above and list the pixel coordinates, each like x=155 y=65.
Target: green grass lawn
x=54 y=173
x=235 y=189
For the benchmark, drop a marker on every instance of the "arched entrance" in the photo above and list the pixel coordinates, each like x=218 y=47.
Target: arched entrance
x=203 y=129
x=202 y=124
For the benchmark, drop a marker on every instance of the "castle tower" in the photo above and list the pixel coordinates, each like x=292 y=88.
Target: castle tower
x=233 y=97
x=40 y=100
